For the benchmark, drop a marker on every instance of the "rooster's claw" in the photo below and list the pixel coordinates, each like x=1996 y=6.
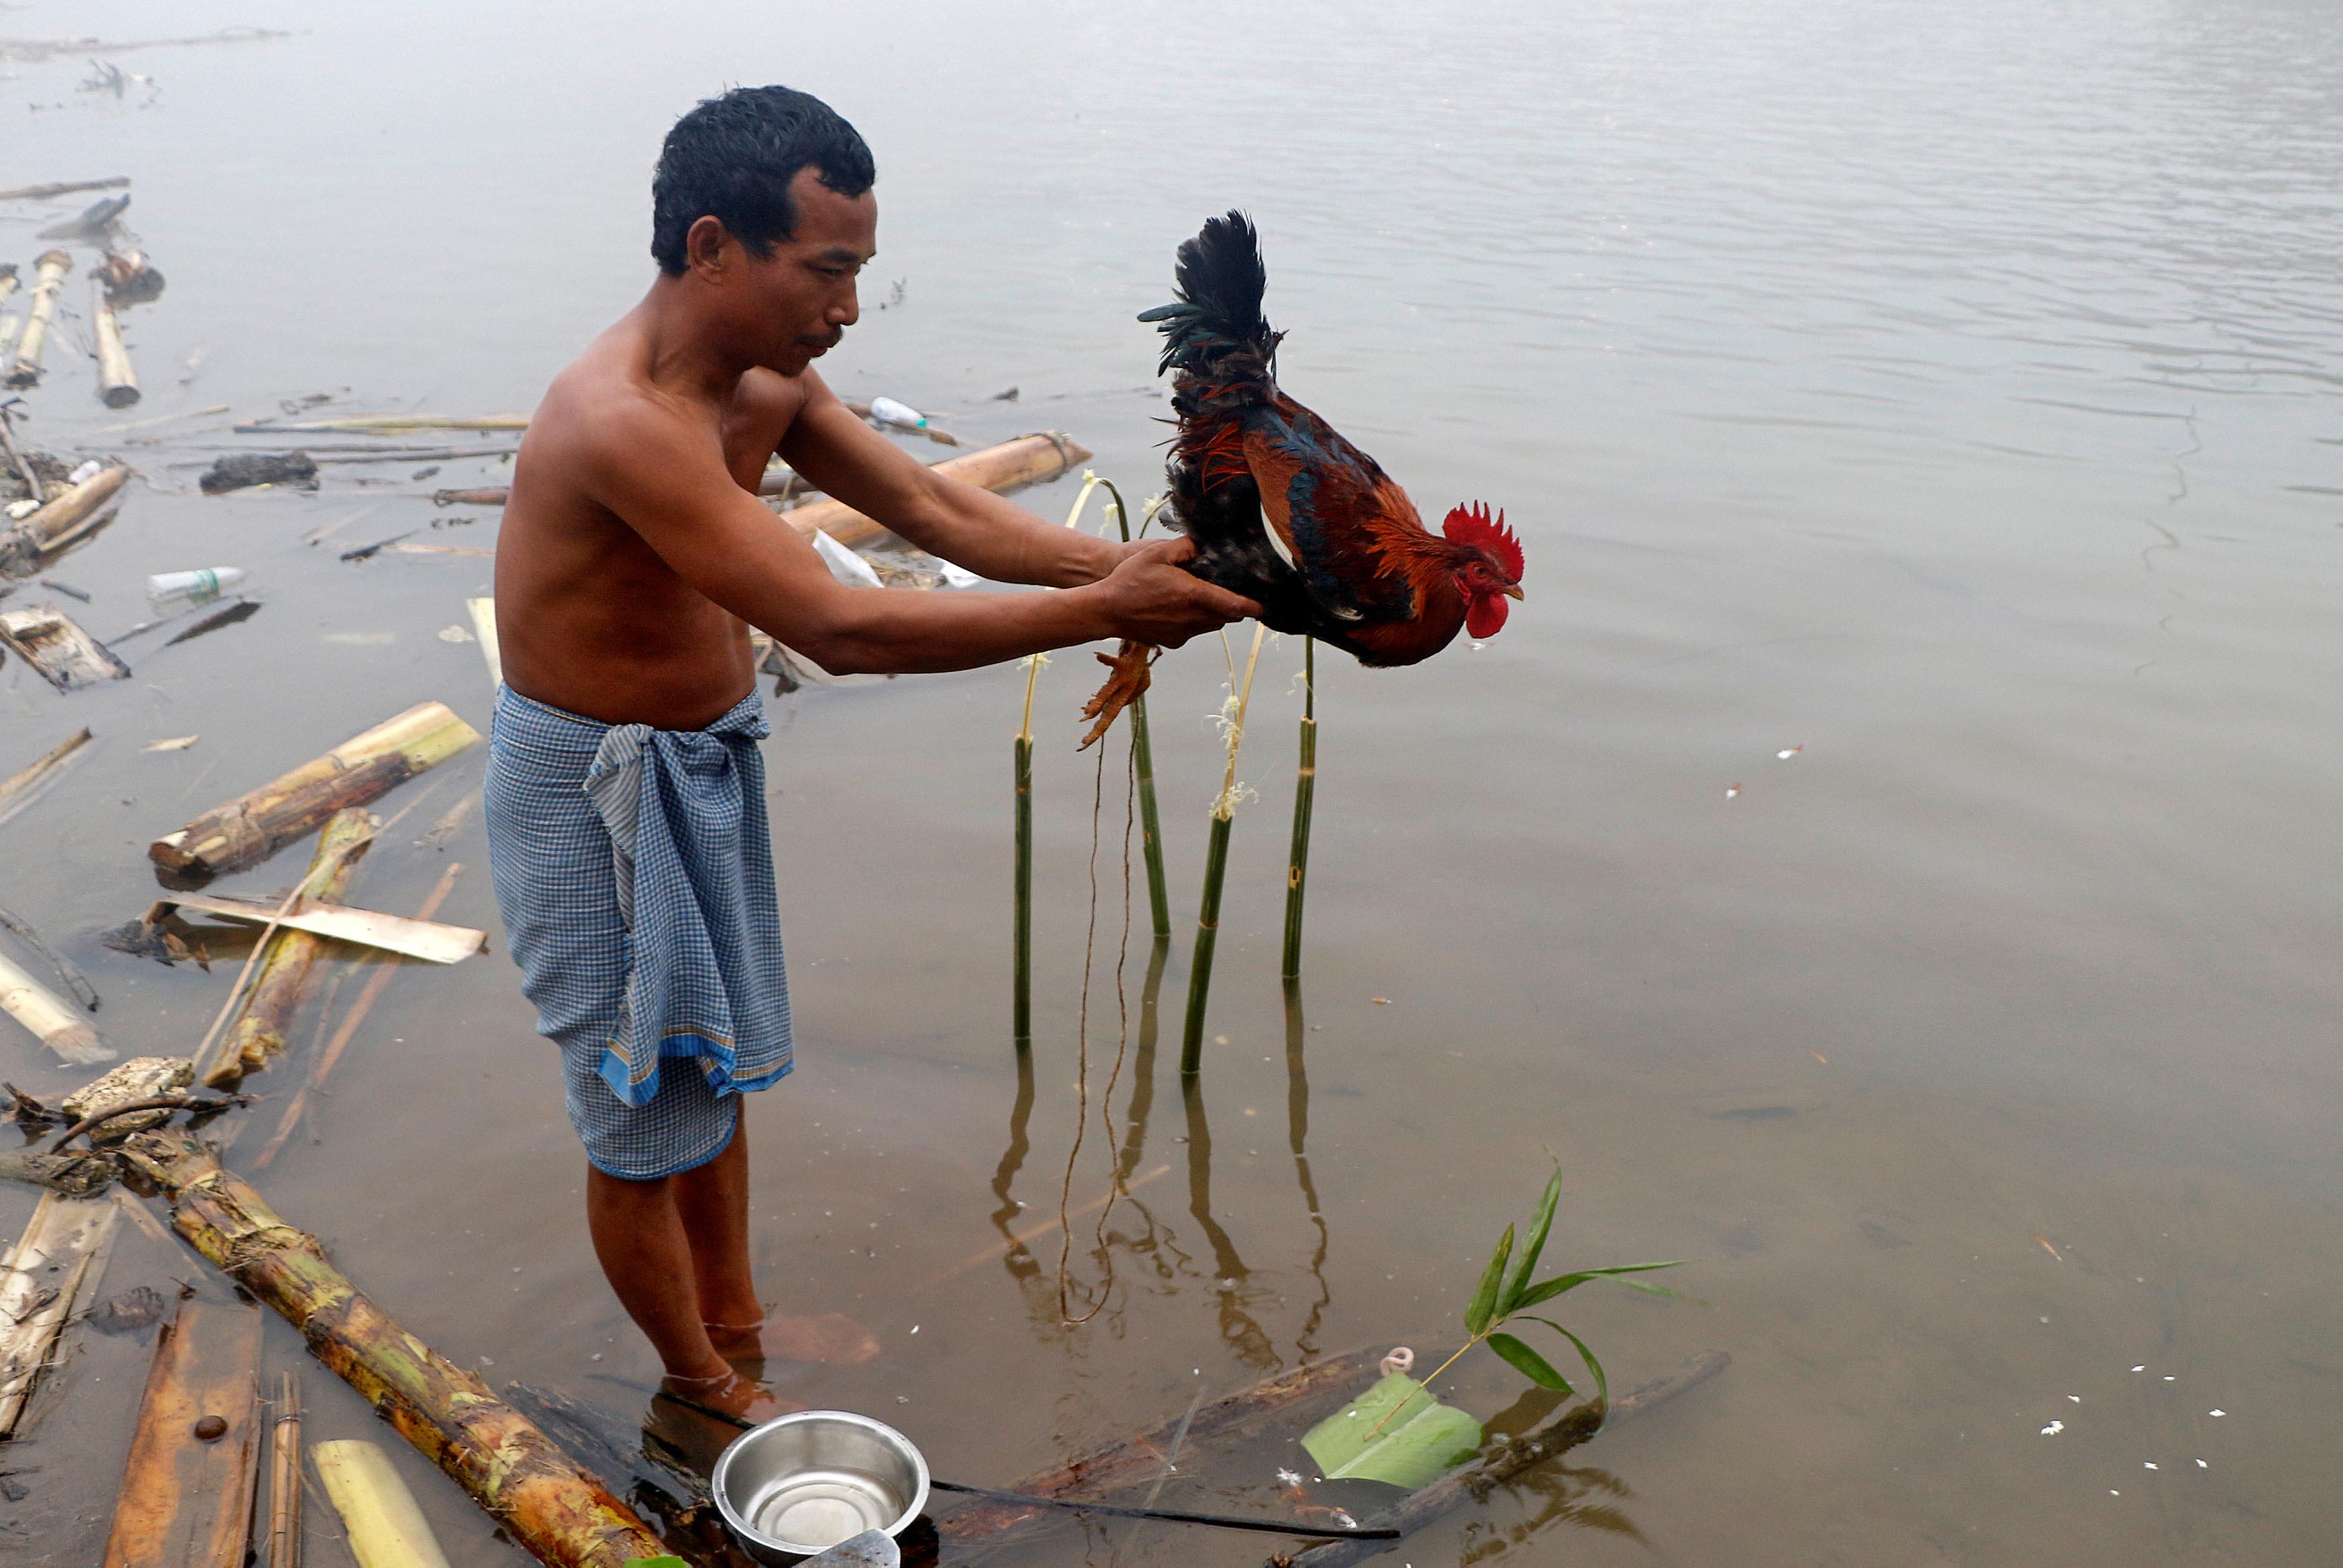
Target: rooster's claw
x=1124 y=685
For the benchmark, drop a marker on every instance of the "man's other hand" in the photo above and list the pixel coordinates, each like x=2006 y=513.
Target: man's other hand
x=1151 y=600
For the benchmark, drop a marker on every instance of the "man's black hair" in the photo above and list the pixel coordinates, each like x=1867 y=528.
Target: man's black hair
x=733 y=157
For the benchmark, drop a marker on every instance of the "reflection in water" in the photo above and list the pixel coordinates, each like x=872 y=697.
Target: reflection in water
x=1297 y=1137
x=1232 y=1282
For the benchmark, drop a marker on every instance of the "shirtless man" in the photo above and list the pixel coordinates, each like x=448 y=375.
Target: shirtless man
x=625 y=798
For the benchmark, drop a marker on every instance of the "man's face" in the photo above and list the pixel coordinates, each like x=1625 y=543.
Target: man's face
x=800 y=299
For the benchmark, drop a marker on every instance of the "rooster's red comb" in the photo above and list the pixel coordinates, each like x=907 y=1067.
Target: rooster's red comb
x=1473 y=525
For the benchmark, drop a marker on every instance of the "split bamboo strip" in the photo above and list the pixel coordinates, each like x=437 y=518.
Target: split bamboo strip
x=390 y=422
x=50 y=276
x=50 y=1277
x=187 y=1491
x=1011 y=466
x=61 y=188
x=386 y=1530
x=284 y=1548
x=1475 y=1481
x=484 y=627
x=426 y=940
x=254 y=826
x=277 y=993
x=324 y=1065
x=1306 y=791
x=77 y=513
x=550 y=1505
x=117 y=383
x=62 y=1028
x=1216 y=861
x=16 y=790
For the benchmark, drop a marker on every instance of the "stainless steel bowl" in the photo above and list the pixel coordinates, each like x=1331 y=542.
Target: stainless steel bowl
x=801 y=1483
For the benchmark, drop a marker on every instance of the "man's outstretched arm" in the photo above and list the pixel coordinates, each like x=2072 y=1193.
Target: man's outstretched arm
x=963 y=523
x=665 y=477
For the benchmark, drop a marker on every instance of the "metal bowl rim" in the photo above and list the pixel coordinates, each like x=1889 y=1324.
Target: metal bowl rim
x=903 y=1521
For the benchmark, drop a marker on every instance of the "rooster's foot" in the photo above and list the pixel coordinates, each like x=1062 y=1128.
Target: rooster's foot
x=1126 y=683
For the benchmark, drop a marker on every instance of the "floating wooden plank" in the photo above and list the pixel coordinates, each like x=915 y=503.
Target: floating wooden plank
x=20 y=788
x=187 y=1491
x=429 y=940
x=50 y=269
x=385 y=1527
x=61 y=1026
x=63 y=522
x=253 y=827
x=1011 y=466
x=553 y=1507
x=51 y=1275
x=60 y=652
x=259 y=1031
x=484 y=627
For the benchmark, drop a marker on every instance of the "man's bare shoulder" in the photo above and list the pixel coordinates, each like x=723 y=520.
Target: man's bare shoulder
x=603 y=404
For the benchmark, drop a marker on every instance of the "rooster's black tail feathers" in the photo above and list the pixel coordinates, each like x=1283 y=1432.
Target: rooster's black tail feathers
x=1217 y=330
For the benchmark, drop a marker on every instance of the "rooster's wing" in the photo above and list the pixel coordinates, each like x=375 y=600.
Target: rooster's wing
x=1340 y=519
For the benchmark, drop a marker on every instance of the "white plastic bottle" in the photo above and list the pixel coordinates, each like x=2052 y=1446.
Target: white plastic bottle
x=887 y=411
x=167 y=591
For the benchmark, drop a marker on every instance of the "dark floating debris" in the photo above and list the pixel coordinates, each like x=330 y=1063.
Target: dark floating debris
x=139 y=1308
x=227 y=615
x=243 y=470
x=96 y=223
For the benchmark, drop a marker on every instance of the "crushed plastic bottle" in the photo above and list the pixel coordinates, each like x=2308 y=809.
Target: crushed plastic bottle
x=887 y=411
x=166 y=590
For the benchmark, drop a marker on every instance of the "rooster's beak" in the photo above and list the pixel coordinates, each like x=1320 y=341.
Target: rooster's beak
x=1513 y=590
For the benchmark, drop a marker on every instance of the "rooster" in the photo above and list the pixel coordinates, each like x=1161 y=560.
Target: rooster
x=1283 y=510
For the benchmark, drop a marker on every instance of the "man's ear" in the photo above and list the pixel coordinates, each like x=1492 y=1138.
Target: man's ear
x=704 y=246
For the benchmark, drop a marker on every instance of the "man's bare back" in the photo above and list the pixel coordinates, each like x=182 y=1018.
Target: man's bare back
x=635 y=555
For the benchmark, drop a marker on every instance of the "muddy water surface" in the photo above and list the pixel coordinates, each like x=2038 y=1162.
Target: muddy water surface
x=1888 y=859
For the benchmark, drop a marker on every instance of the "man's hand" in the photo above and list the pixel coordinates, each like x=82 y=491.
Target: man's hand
x=1151 y=600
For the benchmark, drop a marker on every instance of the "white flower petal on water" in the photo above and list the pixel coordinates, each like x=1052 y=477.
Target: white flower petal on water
x=2053 y=1429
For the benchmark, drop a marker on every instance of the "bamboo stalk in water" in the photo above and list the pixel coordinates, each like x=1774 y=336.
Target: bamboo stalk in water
x=50 y=276
x=1011 y=466
x=259 y=1031
x=251 y=828
x=284 y=1474
x=1216 y=860
x=385 y=1528
x=1306 y=789
x=554 y=1507
x=63 y=1028
x=1020 y=1006
x=1143 y=762
x=8 y=323
x=117 y=383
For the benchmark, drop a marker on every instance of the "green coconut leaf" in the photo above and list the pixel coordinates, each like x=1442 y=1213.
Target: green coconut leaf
x=1421 y=1441
x=1484 y=1298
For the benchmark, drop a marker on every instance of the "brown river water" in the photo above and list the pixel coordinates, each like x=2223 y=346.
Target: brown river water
x=1948 y=398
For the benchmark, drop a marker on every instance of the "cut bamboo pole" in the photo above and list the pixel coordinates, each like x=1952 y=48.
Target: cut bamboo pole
x=51 y=1274
x=61 y=188
x=283 y=1547
x=1011 y=466
x=555 y=1509
x=1020 y=1008
x=484 y=627
x=187 y=1491
x=64 y=1028
x=1306 y=791
x=386 y=1530
x=117 y=383
x=277 y=993
x=1475 y=1481
x=1216 y=861
x=17 y=790
x=69 y=518
x=254 y=826
x=49 y=276
x=1143 y=763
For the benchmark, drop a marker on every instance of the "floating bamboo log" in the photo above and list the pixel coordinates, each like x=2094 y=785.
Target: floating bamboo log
x=386 y=1529
x=555 y=1509
x=49 y=276
x=187 y=1493
x=283 y=1547
x=1141 y=1458
x=486 y=495
x=1475 y=1482
x=17 y=790
x=1011 y=466
x=117 y=383
x=68 y=519
x=259 y=1031
x=254 y=826
x=58 y=649
x=50 y=1277
x=63 y=1028
x=61 y=188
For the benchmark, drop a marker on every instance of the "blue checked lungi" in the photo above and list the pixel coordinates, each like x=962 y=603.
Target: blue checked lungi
x=635 y=875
